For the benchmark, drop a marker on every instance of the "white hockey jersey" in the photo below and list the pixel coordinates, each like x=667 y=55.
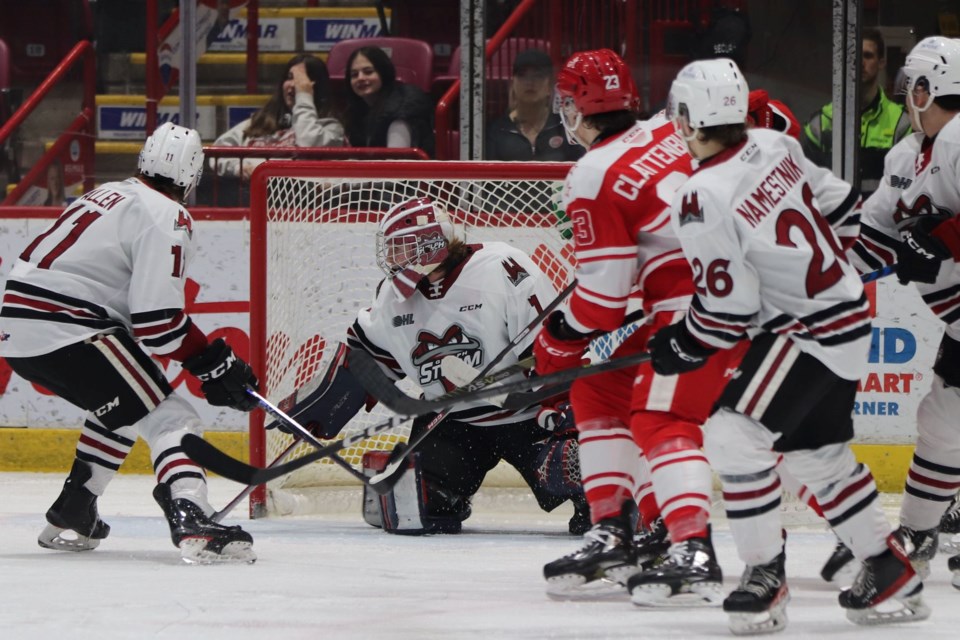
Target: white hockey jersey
x=764 y=257
x=879 y=236
x=114 y=259
x=472 y=313
x=925 y=174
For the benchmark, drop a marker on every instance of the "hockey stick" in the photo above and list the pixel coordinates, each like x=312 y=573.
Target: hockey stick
x=304 y=434
x=879 y=273
x=212 y=458
x=391 y=473
x=222 y=513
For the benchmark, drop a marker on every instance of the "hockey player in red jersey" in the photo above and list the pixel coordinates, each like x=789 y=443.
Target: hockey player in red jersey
x=85 y=303
x=766 y=262
x=617 y=197
x=912 y=219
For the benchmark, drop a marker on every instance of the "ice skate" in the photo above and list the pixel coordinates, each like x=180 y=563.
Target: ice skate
x=759 y=604
x=950 y=528
x=652 y=544
x=887 y=589
x=841 y=568
x=74 y=523
x=201 y=540
x=954 y=565
x=600 y=567
x=921 y=547
x=690 y=576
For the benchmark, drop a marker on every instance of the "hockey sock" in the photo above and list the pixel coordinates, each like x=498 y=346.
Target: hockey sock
x=682 y=483
x=608 y=464
x=105 y=451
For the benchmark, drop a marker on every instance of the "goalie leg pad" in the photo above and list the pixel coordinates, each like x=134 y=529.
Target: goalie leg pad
x=414 y=506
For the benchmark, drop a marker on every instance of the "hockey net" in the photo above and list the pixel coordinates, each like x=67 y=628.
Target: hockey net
x=313 y=267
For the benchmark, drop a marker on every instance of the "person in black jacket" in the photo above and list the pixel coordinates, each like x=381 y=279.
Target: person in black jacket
x=530 y=131
x=383 y=112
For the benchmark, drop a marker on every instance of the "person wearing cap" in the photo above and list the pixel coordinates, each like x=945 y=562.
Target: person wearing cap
x=883 y=122
x=530 y=131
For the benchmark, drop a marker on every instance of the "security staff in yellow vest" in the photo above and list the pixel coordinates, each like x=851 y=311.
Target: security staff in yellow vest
x=882 y=122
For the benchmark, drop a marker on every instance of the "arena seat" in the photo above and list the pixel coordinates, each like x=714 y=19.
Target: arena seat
x=413 y=59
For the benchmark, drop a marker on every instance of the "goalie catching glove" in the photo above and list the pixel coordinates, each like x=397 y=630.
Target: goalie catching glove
x=674 y=350
x=921 y=252
x=225 y=377
x=332 y=403
x=558 y=346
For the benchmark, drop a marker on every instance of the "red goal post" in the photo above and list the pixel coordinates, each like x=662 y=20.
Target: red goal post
x=312 y=268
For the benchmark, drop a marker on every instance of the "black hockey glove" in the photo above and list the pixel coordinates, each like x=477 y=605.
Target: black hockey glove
x=225 y=377
x=674 y=350
x=920 y=254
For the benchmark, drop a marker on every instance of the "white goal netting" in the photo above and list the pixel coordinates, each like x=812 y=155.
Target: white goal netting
x=313 y=263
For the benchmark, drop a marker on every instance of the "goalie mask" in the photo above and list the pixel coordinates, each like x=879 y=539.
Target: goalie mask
x=707 y=93
x=174 y=153
x=932 y=66
x=593 y=82
x=412 y=242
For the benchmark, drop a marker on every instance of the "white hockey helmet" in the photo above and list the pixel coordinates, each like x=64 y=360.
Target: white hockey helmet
x=173 y=152
x=412 y=241
x=708 y=93
x=934 y=65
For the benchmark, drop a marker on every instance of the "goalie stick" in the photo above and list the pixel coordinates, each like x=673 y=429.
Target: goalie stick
x=212 y=458
x=305 y=435
x=222 y=513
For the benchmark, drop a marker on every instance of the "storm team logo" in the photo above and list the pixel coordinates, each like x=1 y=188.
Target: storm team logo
x=432 y=349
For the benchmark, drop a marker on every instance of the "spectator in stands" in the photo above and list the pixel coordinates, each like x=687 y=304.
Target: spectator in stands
x=883 y=122
x=382 y=111
x=56 y=197
x=531 y=131
x=299 y=114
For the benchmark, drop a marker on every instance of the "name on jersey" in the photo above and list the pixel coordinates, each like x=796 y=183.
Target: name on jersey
x=650 y=165
x=770 y=191
x=104 y=198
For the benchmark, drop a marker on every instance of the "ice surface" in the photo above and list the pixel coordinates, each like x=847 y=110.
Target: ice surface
x=333 y=576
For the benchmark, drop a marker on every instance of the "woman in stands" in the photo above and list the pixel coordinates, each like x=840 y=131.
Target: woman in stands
x=531 y=131
x=299 y=114
x=382 y=111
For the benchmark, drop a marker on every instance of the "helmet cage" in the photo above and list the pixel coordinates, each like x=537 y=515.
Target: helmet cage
x=412 y=241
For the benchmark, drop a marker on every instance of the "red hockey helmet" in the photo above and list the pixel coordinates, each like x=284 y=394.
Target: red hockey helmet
x=412 y=242
x=598 y=81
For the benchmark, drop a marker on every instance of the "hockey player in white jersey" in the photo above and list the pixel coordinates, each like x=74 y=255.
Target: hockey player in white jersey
x=443 y=298
x=767 y=265
x=89 y=298
x=913 y=220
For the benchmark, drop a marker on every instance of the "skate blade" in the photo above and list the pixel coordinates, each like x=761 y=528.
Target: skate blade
x=949 y=543
x=576 y=587
x=774 y=619
x=899 y=608
x=698 y=594
x=52 y=538
x=194 y=551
